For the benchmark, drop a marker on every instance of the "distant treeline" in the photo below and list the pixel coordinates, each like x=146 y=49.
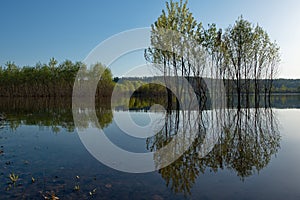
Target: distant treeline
x=286 y=85
x=50 y=80
x=278 y=85
x=57 y=80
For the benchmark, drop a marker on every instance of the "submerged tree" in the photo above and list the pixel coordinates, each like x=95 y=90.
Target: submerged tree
x=246 y=60
x=243 y=56
x=173 y=46
x=251 y=57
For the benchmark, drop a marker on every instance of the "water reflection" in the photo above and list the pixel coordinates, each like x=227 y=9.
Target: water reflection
x=240 y=140
x=49 y=112
x=57 y=112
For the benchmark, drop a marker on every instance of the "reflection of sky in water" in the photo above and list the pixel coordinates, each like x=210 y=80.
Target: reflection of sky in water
x=123 y=140
x=54 y=159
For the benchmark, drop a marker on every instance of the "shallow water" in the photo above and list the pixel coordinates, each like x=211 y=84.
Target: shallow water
x=256 y=157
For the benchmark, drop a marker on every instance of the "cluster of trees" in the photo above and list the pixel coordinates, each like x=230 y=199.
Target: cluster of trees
x=130 y=86
x=245 y=60
x=49 y=80
x=185 y=48
x=142 y=87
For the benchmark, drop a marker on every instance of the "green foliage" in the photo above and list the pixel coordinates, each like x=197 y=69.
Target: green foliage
x=49 y=80
x=243 y=52
x=13 y=177
x=127 y=85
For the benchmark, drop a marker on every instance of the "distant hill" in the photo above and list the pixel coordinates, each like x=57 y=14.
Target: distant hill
x=286 y=85
x=279 y=85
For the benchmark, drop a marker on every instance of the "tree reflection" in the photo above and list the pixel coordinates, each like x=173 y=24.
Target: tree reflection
x=55 y=113
x=240 y=140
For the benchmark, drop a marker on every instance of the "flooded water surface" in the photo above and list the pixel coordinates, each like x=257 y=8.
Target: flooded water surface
x=236 y=154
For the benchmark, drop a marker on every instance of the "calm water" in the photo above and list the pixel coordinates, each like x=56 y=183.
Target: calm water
x=256 y=155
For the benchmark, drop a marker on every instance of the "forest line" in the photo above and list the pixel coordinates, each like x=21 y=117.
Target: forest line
x=56 y=80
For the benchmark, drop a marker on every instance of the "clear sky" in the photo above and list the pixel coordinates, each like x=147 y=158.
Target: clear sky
x=36 y=30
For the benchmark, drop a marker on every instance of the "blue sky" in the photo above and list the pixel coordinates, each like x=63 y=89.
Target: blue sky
x=35 y=30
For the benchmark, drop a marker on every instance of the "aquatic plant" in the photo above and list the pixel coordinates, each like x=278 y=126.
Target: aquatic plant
x=76 y=188
x=92 y=192
x=13 y=177
x=50 y=196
